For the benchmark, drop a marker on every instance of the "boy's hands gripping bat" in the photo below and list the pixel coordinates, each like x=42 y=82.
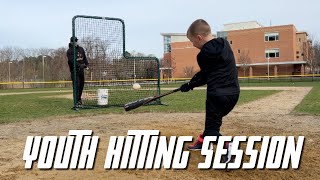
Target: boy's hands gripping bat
x=135 y=104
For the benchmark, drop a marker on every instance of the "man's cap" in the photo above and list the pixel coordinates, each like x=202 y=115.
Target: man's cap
x=71 y=39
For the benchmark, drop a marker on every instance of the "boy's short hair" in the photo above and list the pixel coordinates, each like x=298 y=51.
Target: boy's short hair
x=199 y=27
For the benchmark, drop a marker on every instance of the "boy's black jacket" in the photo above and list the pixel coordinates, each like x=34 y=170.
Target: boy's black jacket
x=218 y=68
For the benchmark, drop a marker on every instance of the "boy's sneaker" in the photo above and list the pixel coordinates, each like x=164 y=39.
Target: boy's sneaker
x=227 y=157
x=196 y=146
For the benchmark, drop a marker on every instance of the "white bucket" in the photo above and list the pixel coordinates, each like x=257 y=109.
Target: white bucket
x=102 y=97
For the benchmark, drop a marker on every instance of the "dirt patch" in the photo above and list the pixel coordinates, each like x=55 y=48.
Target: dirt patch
x=66 y=96
x=267 y=116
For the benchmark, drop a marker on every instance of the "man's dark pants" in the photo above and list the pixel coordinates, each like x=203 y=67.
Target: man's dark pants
x=79 y=83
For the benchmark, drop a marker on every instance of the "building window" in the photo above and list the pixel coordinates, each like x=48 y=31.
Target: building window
x=167 y=44
x=222 y=34
x=297 y=57
x=297 y=52
x=271 y=36
x=272 y=53
x=238 y=50
x=230 y=42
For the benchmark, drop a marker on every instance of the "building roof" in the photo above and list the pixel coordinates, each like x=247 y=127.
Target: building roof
x=264 y=28
x=302 y=32
x=242 y=25
x=173 y=34
x=256 y=22
x=181 y=34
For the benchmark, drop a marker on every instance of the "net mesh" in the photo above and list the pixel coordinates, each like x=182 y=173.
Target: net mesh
x=112 y=73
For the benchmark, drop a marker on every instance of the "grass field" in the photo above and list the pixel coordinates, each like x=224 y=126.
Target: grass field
x=40 y=105
x=27 y=106
x=311 y=103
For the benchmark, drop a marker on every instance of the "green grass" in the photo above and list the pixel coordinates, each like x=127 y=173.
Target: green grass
x=17 y=107
x=311 y=103
x=23 y=107
x=30 y=106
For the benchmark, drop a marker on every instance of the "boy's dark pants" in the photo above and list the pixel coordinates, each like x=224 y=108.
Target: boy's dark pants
x=216 y=108
x=79 y=83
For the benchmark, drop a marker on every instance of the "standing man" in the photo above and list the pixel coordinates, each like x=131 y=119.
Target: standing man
x=81 y=64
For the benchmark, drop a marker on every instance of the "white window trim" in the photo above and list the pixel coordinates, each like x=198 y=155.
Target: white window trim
x=271 y=34
x=273 y=50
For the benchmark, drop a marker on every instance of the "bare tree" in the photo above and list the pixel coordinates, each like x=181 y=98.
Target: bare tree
x=96 y=49
x=11 y=64
x=27 y=65
x=244 y=60
x=316 y=56
x=169 y=66
x=88 y=44
x=7 y=54
x=45 y=51
x=32 y=64
x=311 y=54
x=31 y=52
x=18 y=65
x=188 y=71
x=58 y=65
x=6 y=58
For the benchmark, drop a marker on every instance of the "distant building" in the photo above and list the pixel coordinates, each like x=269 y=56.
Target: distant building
x=281 y=50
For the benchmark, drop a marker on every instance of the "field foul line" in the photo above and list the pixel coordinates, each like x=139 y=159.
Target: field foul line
x=33 y=92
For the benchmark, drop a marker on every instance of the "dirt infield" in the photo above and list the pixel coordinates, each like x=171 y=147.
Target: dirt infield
x=267 y=116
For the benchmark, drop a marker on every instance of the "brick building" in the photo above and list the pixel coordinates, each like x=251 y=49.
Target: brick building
x=279 y=50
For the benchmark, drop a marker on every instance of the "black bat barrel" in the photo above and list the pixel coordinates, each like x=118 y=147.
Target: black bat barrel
x=135 y=104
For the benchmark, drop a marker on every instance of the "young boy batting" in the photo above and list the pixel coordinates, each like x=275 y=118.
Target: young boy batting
x=217 y=70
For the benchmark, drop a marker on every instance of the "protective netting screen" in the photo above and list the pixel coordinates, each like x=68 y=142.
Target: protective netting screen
x=112 y=73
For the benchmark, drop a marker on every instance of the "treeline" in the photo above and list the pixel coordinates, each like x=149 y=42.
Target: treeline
x=44 y=65
x=30 y=65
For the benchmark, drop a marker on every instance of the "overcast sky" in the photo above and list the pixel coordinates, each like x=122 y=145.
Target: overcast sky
x=47 y=23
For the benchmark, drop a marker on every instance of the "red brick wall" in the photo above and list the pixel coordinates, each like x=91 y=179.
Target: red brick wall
x=184 y=55
x=252 y=40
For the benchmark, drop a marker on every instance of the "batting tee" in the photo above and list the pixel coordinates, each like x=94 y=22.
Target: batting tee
x=112 y=71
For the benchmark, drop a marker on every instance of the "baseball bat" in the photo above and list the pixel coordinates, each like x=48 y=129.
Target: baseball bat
x=135 y=104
